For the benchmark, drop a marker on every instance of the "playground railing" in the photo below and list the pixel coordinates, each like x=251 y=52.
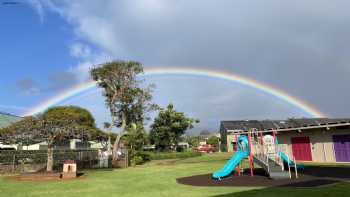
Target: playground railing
x=279 y=160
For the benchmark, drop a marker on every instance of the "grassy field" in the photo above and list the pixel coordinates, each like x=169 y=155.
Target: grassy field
x=156 y=178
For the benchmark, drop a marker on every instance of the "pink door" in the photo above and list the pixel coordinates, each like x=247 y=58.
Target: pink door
x=301 y=148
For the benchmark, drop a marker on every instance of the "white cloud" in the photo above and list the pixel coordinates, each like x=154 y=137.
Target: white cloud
x=82 y=69
x=294 y=45
x=38 y=7
x=80 y=50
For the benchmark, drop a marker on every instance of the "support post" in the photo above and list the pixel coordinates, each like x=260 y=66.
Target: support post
x=238 y=167
x=250 y=154
x=274 y=142
x=236 y=140
x=290 y=175
x=295 y=168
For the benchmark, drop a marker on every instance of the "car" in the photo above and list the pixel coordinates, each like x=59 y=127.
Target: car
x=206 y=148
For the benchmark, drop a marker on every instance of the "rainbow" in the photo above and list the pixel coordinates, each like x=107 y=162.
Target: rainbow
x=259 y=86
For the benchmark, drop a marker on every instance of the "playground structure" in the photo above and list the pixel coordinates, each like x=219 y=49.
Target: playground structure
x=262 y=150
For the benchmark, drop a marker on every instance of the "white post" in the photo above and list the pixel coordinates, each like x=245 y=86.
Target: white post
x=295 y=168
x=290 y=175
x=267 y=162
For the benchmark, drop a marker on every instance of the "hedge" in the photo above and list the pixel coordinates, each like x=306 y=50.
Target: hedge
x=171 y=155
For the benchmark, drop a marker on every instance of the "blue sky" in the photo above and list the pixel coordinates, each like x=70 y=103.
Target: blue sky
x=31 y=50
x=48 y=46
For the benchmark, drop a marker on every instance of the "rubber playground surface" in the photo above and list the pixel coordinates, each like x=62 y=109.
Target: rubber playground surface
x=311 y=176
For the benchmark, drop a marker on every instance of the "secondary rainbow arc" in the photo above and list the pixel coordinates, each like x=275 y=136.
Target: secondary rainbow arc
x=259 y=86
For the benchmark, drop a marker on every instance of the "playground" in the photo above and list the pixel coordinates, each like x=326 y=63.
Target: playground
x=260 y=161
x=263 y=150
x=159 y=178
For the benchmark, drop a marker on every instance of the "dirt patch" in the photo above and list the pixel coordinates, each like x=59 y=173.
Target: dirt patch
x=166 y=162
x=259 y=179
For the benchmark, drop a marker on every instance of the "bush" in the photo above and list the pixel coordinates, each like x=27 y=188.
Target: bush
x=213 y=140
x=180 y=149
x=172 y=155
x=139 y=158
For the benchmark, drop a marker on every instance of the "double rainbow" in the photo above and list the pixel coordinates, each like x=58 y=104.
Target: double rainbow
x=258 y=86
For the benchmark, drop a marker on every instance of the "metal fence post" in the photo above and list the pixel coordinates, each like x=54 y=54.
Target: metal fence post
x=13 y=162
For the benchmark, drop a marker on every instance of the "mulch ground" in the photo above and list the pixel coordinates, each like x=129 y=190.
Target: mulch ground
x=310 y=177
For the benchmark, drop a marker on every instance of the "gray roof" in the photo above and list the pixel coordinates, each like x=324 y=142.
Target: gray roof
x=245 y=125
x=7 y=119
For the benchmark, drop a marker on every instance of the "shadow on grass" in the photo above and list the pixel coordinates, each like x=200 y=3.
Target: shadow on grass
x=328 y=190
x=99 y=169
x=328 y=171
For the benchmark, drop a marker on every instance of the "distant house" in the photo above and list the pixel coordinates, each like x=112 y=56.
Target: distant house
x=184 y=145
x=95 y=145
x=37 y=146
x=8 y=146
x=306 y=139
x=72 y=144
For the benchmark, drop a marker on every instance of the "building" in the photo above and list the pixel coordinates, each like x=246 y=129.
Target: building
x=316 y=140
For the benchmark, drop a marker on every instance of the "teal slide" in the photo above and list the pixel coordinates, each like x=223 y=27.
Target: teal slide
x=285 y=158
x=287 y=161
x=242 y=152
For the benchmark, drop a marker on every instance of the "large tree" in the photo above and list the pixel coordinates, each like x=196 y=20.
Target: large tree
x=127 y=100
x=54 y=125
x=168 y=127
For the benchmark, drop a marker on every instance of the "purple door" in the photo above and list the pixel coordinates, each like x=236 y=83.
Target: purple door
x=342 y=147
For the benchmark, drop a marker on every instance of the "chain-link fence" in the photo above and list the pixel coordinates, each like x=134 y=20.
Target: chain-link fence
x=35 y=160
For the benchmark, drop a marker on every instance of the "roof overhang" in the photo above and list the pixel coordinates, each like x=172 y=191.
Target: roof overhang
x=253 y=130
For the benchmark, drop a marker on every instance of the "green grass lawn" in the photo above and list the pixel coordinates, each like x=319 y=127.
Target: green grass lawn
x=156 y=178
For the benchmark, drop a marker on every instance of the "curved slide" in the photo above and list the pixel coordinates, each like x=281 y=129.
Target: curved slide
x=287 y=161
x=242 y=152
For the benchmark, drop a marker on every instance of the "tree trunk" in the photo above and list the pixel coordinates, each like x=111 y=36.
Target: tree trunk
x=117 y=140
x=49 y=164
x=109 y=145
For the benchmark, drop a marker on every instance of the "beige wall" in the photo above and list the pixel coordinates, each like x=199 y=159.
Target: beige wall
x=321 y=143
x=230 y=138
